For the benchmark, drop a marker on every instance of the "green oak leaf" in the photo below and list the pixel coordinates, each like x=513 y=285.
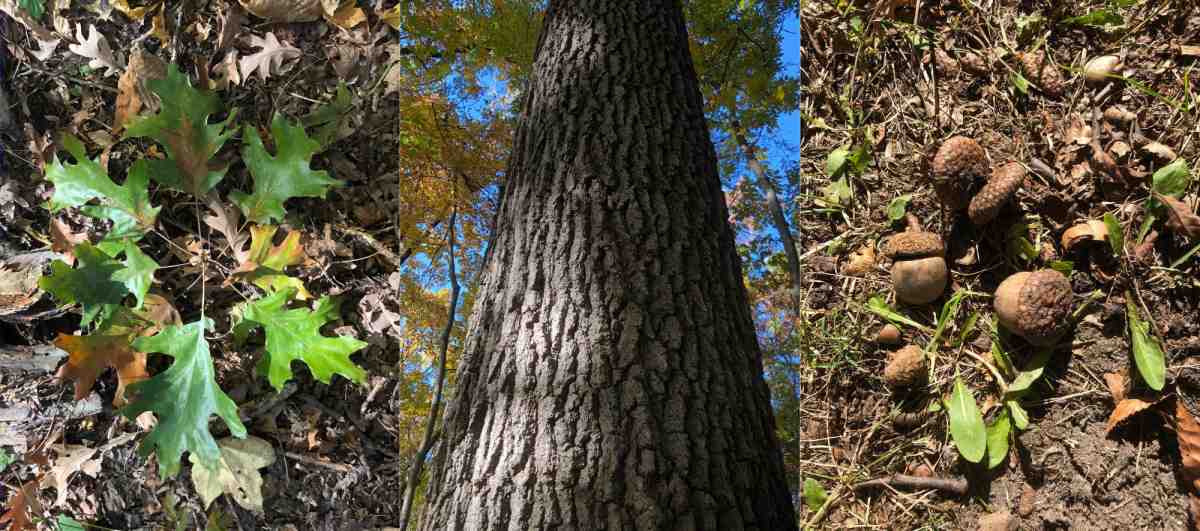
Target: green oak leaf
x=328 y=118
x=138 y=273
x=181 y=126
x=183 y=398
x=280 y=177
x=76 y=184
x=295 y=334
x=93 y=283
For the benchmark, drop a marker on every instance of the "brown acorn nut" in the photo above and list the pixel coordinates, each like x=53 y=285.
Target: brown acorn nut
x=919 y=272
x=1035 y=305
x=959 y=164
x=888 y=335
x=1003 y=185
x=906 y=368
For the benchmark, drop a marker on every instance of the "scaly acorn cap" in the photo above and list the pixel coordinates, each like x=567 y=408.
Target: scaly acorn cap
x=957 y=166
x=1005 y=182
x=914 y=245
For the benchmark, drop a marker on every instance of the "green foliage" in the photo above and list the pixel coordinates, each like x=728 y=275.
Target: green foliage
x=181 y=126
x=328 y=118
x=814 y=494
x=295 y=334
x=1172 y=179
x=878 y=306
x=966 y=423
x=283 y=176
x=897 y=207
x=93 y=283
x=997 y=439
x=1116 y=237
x=1147 y=354
x=126 y=205
x=138 y=274
x=183 y=397
x=35 y=8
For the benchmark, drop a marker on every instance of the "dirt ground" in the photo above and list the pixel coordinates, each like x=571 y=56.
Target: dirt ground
x=337 y=462
x=900 y=82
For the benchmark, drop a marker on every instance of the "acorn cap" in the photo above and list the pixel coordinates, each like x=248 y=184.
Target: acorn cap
x=914 y=245
x=906 y=368
x=1000 y=188
x=957 y=166
x=1035 y=305
x=1042 y=72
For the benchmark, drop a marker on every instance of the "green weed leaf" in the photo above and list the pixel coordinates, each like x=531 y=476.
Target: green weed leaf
x=814 y=494
x=878 y=306
x=1116 y=237
x=35 y=8
x=183 y=398
x=997 y=439
x=1105 y=19
x=181 y=126
x=1020 y=417
x=966 y=423
x=1021 y=84
x=280 y=177
x=295 y=334
x=836 y=161
x=1147 y=354
x=328 y=118
x=1172 y=179
x=897 y=207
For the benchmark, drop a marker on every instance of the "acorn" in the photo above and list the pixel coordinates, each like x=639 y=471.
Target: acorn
x=906 y=368
x=919 y=270
x=1098 y=69
x=888 y=335
x=1035 y=305
x=1001 y=187
x=958 y=166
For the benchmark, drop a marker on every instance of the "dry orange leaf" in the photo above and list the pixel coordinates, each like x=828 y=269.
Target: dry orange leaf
x=62 y=240
x=1126 y=408
x=1187 y=430
x=284 y=10
x=22 y=505
x=345 y=14
x=1116 y=385
x=90 y=355
x=132 y=93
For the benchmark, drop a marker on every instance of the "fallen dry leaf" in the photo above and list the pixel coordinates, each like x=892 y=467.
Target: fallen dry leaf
x=862 y=261
x=236 y=473
x=284 y=10
x=1125 y=408
x=63 y=240
x=22 y=506
x=72 y=458
x=269 y=60
x=1187 y=430
x=226 y=219
x=94 y=47
x=225 y=73
x=158 y=25
x=1180 y=217
x=132 y=92
x=1116 y=385
x=135 y=14
x=344 y=14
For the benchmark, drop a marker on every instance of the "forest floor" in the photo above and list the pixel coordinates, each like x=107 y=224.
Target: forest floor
x=891 y=91
x=336 y=463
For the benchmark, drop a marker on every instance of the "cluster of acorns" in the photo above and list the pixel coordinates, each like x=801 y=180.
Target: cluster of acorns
x=1034 y=305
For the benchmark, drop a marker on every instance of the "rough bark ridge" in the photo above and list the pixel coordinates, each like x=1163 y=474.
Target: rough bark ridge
x=611 y=377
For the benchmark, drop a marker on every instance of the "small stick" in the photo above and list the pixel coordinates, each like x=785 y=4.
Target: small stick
x=952 y=485
x=317 y=462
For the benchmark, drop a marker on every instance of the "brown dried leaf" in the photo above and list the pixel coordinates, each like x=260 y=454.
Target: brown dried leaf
x=1079 y=132
x=226 y=219
x=1180 y=217
x=1125 y=409
x=284 y=10
x=1116 y=385
x=72 y=458
x=94 y=47
x=232 y=20
x=344 y=14
x=22 y=506
x=1187 y=430
x=132 y=92
x=62 y=240
x=225 y=73
x=269 y=60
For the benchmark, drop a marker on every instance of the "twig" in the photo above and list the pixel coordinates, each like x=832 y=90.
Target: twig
x=308 y=460
x=952 y=485
x=414 y=473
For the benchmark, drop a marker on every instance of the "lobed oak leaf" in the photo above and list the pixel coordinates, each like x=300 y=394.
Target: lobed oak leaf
x=92 y=283
x=269 y=59
x=94 y=47
x=1187 y=430
x=77 y=184
x=344 y=14
x=264 y=263
x=183 y=398
x=294 y=334
x=284 y=10
x=181 y=126
x=283 y=176
x=23 y=505
x=237 y=474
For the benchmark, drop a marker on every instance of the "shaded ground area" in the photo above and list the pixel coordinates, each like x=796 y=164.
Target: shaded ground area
x=891 y=92
x=336 y=460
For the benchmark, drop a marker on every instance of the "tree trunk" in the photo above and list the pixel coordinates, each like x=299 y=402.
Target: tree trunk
x=611 y=378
